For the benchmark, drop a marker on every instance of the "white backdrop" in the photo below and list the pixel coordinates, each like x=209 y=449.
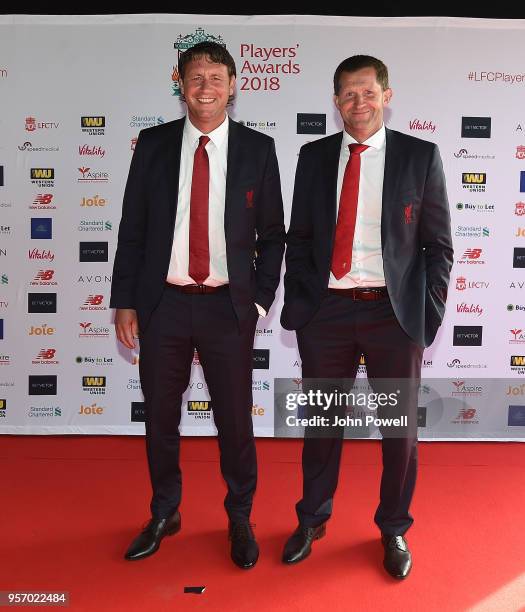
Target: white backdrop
x=76 y=90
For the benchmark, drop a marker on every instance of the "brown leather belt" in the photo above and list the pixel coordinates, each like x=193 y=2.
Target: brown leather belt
x=197 y=289
x=361 y=293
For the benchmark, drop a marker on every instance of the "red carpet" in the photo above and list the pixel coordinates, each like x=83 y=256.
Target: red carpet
x=71 y=505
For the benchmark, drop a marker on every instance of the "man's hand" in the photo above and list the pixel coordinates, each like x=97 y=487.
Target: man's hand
x=127 y=326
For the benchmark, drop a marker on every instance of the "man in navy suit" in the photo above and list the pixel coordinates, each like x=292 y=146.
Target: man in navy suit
x=368 y=261
x=198 y=260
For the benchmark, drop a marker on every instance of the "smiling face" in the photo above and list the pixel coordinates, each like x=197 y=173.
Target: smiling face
x=361 y=101
x=206 y=87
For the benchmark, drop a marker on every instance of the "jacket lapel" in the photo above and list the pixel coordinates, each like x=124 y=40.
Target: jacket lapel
x=236 y=160
x=331 y=169
x=390 y=183
x=173 y=167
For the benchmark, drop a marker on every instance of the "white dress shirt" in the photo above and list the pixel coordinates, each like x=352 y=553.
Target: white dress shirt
x=367 y=259
x=217 y=150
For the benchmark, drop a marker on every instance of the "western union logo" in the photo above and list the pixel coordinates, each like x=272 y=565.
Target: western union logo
x=517 y=360
x=93 y=122
x=194 y=406
x=42 y=173
x=3 y=404
x=474 y=179
x=93 y=381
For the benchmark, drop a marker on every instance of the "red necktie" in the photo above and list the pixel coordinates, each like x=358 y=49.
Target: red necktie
x=199 y=267
x=344 y=232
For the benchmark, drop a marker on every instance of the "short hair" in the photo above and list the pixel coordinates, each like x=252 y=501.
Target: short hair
x=357 y=62
x=213 y=51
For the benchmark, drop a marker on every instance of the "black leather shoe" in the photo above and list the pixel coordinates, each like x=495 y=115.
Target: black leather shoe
x=244 y=549
x=148 y=542
x=299 y=545
x=398 y=560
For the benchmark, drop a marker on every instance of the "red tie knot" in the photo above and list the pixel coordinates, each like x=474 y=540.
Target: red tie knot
x=357 y=149
x=203 y=141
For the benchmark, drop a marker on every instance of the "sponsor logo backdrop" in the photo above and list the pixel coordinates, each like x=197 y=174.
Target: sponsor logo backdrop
x=66 y=140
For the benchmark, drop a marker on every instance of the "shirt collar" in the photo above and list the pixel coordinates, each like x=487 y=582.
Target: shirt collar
x=376 y=141
x=217 y=136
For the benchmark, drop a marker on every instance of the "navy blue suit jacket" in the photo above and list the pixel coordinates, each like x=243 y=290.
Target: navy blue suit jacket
x=415 y=233
x=253 y=220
